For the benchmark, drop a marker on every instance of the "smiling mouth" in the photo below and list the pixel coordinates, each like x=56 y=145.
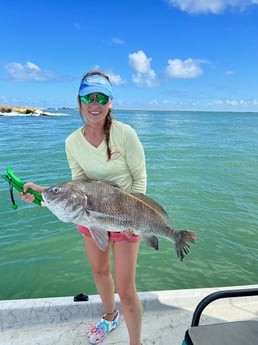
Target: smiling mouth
x=94 y=113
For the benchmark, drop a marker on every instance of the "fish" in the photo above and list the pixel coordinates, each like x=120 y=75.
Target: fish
x=103 y=206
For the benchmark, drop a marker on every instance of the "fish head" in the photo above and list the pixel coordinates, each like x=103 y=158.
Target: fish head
x=66 y=201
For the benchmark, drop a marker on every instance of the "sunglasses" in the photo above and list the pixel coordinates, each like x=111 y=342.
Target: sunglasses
x=100 y=98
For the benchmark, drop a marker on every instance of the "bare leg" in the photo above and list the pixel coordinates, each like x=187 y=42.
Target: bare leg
x=125 y=258
x=101 y=268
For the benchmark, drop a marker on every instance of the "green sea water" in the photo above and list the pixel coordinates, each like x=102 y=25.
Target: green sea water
x=202 y=168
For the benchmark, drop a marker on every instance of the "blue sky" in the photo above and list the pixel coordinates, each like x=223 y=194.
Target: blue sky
x=160 y=54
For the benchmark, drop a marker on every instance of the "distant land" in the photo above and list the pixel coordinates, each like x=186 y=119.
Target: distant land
x=18 y=109
x=5 y=109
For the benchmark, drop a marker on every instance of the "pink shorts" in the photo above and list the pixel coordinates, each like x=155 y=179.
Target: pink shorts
x=114 y=236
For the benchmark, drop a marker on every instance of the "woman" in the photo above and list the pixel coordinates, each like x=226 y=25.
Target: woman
x=107 y=149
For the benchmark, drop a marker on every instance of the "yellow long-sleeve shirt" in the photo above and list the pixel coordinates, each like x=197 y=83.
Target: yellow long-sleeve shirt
x=126 y=166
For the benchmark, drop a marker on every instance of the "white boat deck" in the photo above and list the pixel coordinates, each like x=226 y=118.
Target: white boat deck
x=166 y=316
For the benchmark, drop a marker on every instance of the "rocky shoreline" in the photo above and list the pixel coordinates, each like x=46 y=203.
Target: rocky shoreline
x=18 y=109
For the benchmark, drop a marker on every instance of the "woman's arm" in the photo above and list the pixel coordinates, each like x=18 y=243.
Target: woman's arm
x=135 y=158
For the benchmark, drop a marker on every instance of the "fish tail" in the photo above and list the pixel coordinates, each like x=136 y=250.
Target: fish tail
x=182 y=239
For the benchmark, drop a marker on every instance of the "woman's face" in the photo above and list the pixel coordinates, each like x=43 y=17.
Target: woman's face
x=94 y=111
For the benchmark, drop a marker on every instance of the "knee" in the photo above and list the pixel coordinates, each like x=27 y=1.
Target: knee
x=127 y=296
x=101 y=271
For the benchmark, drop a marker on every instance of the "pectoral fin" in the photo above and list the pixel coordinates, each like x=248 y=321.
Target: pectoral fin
x=100 y=237
x=152 y=241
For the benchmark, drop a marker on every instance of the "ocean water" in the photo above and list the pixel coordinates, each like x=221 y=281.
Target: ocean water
x=202 y=168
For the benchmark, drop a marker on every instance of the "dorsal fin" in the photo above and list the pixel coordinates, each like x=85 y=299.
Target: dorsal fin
x=111 y=183
x=152 y=203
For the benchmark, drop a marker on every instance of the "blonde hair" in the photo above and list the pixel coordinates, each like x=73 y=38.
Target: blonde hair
x=108 y=122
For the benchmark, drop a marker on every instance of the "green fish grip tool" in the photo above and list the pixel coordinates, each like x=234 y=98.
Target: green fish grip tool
x=18 y=184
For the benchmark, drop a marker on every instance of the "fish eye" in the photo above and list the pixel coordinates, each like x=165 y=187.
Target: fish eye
x=55 y=190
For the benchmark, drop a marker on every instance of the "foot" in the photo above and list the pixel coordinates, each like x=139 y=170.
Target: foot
x=98 y=332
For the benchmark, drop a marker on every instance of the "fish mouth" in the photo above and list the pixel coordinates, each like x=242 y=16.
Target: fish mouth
x=43 y=201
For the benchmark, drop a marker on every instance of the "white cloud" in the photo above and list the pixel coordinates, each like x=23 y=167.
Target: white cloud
x=145 y=75
x=29 y=71
x=118 y=41
x=235 y=103
x=188 y=68
x=154 y=102
x=148 y=79
x=229 y=72
x=115 y=79
x=213 y=6
x=140 y=62
x=77 y=26
x=3 y=100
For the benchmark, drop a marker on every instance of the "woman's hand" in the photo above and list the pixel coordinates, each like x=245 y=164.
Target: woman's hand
x=128 y=233
x=28 y=197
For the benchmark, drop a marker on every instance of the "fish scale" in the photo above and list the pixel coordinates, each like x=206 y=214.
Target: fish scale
x=102 y=206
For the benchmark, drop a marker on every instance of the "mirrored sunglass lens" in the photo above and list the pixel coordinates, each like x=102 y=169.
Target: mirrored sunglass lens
x=87 y=98
x=102 y=99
